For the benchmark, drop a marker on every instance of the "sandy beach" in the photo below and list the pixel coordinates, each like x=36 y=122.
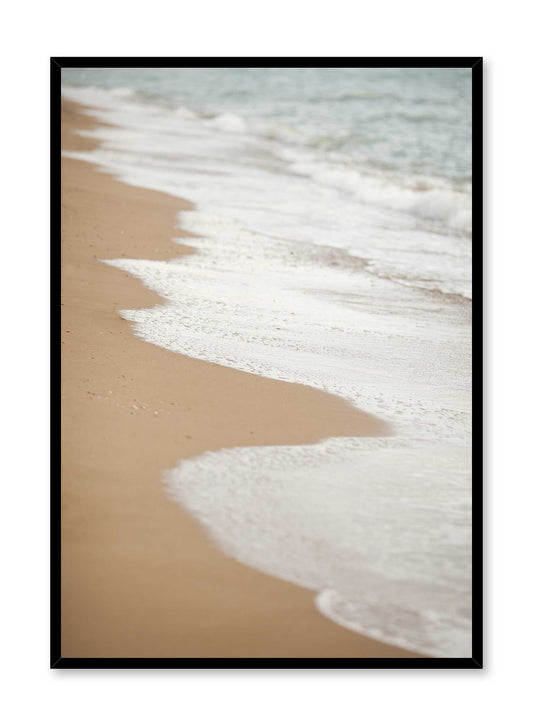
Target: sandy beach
x=140 y=577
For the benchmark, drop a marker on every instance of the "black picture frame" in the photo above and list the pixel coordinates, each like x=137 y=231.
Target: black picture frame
x=476 y=661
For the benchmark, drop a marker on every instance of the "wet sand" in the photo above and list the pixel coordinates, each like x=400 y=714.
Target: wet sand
x=139 y=576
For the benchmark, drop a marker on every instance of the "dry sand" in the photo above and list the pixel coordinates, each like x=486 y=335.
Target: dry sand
x=139 y=576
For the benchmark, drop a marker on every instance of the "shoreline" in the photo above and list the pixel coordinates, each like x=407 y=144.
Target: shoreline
x=140 y=576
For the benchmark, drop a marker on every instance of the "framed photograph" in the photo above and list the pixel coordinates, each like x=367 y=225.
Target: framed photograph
x=267 y=362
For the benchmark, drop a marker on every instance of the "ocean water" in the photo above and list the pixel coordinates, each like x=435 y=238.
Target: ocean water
x=333 y=248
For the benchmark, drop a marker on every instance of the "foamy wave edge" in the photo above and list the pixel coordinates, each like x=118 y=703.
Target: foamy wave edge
x=431 y=200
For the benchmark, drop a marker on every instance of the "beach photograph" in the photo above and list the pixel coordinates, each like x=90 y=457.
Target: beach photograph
x=267 y=280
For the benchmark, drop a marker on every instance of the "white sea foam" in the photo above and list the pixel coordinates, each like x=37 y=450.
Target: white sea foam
x=294 y=280
x=296 y=314
x=228 y=122
x=411 y=228
x=381 y=528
